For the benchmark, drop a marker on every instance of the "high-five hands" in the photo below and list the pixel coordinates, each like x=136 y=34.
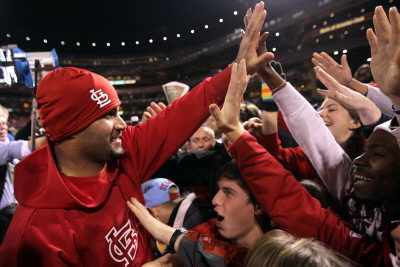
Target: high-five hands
x=255 y=59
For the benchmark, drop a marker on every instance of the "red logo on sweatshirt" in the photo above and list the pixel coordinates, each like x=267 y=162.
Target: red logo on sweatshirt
x=123 y=244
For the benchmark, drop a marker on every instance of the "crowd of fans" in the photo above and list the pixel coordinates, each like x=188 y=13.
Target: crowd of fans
x=279 y=185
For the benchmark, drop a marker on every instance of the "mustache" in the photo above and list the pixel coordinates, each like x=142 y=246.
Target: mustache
x=116 y=134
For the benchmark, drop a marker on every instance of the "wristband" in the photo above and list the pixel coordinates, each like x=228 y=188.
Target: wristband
x=278 y=88
x=395 y=110
x=174 y=237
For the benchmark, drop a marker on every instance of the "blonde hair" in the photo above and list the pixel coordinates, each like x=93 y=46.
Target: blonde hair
x=278 y=249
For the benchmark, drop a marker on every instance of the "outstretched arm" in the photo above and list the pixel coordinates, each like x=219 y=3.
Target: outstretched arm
x=385 y=52
x=308 y=129
x=157 y=229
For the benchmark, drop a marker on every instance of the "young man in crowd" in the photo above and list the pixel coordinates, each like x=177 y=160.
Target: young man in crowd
x=72 y=192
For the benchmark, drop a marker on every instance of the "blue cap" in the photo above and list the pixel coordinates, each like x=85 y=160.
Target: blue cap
x=155 y=191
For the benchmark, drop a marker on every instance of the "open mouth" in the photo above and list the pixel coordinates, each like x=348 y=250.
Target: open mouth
x=358 y=178
x=116 y=139
x=220 y=218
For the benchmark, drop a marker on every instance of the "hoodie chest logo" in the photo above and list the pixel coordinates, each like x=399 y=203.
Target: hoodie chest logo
x=100 y=97
x=123 y=243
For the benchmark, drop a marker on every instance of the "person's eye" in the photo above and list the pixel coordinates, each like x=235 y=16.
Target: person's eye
x=109 y=115
x=228 y=193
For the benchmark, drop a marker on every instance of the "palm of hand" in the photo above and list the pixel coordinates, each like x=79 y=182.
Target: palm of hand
x=385 y=69
x=342 y=74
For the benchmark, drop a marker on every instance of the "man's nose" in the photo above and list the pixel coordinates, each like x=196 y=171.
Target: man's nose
x=119 y=123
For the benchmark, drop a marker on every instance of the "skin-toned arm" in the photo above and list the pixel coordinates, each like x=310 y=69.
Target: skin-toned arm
x=269 y=122
x=368 y=111
x=157 y=229
x=385 y=53
x=340 y=72
x=228 y=117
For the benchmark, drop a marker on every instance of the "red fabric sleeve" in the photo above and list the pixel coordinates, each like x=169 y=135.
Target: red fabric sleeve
x=150 y=144
x=293 y=159
x=281 y=122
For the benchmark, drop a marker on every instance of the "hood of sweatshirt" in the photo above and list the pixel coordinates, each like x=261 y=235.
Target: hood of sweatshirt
x=38 y=184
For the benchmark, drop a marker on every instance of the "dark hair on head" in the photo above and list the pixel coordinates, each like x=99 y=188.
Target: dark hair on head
x=248 y=110
x=317 y=191
x=230 y=171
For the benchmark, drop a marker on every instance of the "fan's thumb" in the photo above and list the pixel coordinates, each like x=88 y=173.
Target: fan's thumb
x=215 y=112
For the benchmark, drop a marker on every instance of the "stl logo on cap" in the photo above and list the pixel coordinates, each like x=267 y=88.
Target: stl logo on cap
x=101 y=97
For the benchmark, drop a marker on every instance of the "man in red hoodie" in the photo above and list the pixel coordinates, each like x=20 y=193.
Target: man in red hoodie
x=72 y=192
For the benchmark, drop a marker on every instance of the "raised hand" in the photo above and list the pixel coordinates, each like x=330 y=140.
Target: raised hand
x=152 y=110
x=369 y=113
x=340 y=72
x=266 y=72
x=249 y=44
x=227 y=118
x=385 y=51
